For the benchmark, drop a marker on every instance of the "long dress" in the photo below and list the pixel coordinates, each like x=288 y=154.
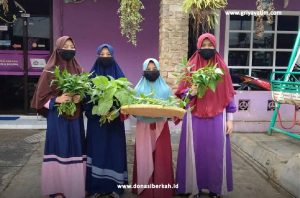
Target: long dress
x=153 y=159
x=204 y=156
x=106 y=144
x=153 y=152
x=64 y=161
x=106 y=156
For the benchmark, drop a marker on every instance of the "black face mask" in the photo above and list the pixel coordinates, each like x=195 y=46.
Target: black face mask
x=207 y=53
x=151 y=75
x=105 y=61
x=67 y=54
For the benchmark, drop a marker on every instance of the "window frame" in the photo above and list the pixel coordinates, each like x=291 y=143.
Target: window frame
x=274 y=50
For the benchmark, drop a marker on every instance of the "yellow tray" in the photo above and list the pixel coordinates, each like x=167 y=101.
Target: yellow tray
x=153 y=110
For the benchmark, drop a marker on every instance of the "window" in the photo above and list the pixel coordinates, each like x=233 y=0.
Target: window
x=17 y=94
x=11 y=34
x=246 y=54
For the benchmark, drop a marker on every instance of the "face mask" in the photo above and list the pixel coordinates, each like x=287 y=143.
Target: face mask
x=105 y=61
x=67 y=54
x=207 y=53
x=151 y=75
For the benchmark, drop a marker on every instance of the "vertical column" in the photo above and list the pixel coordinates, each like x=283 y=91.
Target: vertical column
x=173 y=37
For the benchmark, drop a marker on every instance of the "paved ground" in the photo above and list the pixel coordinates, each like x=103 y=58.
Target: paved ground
x=20 y=164
x=14 y=153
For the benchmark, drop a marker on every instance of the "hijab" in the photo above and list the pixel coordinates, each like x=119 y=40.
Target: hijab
x=44 y=92
x=114 y=70
x=159 y=87
x=212 y=103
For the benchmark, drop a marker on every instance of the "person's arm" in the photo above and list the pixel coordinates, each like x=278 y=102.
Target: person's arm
x=60 y=99
x=230 y=109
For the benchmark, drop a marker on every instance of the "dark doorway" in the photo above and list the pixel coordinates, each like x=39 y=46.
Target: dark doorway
x=25 y=37
x=193 y=36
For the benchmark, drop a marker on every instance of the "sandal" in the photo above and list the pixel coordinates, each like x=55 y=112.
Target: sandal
x=214 y=195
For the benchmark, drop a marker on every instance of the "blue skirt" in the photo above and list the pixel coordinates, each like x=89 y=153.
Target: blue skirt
x=64 y=161
x=106 y=156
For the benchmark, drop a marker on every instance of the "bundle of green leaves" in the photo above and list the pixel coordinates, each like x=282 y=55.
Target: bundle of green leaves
x=73 y=84
x=206 y=78
x=108 y=95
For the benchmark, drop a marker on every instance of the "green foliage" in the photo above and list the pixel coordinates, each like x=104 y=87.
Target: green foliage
x=182 y=71
x=148 y=99
x=74 y=84
x=108 y=95
x=67 y=108
x=207 y=78
x=204 y=78
x=204 y=12
x=130 y=18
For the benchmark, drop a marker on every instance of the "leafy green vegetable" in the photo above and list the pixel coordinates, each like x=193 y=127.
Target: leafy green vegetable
x=207 y=77
x=108 y=95
x=74 y=84
x=204 y=78
x=148 y=99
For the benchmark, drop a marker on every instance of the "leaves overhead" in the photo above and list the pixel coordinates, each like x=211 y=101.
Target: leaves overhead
x=130 y=18
x=204 y=12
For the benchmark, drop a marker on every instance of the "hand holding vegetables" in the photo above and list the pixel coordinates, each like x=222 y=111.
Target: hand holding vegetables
x=73 y=86
x=63 y=98
x=76 y=99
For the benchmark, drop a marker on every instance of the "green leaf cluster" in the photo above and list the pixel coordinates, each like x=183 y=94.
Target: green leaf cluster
x=74 y=84
x=130 y=18
x=148 y=99
x=204 y=12
x=182 y=71
x=207 y=78
x=108 y=95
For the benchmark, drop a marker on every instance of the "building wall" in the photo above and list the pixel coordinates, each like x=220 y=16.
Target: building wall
x=92 y=23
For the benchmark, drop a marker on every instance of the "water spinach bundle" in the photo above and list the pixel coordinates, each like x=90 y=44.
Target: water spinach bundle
x=108 y=95
x=204 y=78
x=72 y=84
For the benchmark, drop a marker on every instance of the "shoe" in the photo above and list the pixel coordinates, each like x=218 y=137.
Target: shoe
x=214 y=195
x=57 y=195
x=114 y=195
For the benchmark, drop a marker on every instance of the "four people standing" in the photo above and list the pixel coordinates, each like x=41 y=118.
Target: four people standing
x=204 y=156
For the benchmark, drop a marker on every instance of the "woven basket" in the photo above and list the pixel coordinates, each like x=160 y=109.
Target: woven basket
x=286 y=92
x=153 y=111
x=286 y=97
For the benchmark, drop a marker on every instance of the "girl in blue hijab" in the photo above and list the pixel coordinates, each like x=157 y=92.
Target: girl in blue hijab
x=153 y=153
x=106 y=144
x=152 y=83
